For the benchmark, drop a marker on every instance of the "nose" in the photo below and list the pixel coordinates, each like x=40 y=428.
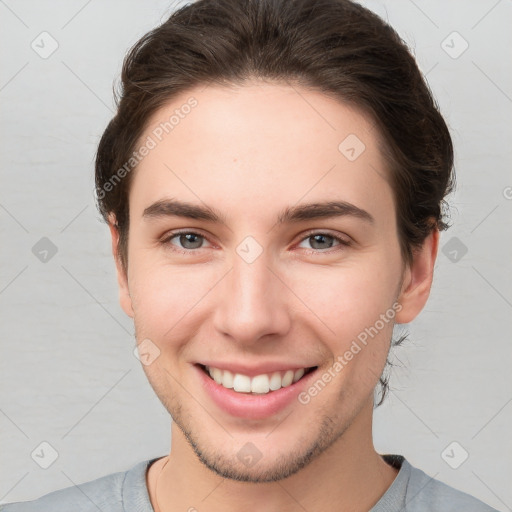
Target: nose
x=252 y=302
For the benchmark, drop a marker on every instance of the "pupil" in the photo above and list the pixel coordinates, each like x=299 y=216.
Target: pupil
x=320 y=239
x=189 y=238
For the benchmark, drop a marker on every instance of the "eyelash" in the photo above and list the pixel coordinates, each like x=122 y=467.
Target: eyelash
x=173 y=234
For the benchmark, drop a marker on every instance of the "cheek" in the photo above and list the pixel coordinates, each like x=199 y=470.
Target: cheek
x=346 y=299
x=356 y=305
x=166 y=299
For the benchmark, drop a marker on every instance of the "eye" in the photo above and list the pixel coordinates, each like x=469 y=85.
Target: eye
x=187 y=240
x=322 y=241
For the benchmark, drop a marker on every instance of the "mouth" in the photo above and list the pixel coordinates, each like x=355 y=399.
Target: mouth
x=263 y=384
x=258 y=396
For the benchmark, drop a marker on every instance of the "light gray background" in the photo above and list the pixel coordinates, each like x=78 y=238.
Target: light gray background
x=68 y=373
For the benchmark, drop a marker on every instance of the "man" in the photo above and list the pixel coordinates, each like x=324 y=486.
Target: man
x=272 y=183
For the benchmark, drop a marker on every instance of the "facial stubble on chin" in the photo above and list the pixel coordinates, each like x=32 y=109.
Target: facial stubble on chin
x=287 y=465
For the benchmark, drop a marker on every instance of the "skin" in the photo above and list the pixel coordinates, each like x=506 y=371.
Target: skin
x=250 y=151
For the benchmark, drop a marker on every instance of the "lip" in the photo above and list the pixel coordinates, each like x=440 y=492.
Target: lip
x=248 y=406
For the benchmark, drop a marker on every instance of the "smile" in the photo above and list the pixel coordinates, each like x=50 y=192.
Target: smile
x=259 y=384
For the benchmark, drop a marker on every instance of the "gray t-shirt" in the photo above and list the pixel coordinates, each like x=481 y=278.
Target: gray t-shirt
x=411 y=491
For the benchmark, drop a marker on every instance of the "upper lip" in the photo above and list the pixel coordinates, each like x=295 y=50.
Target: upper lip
x=251 y=370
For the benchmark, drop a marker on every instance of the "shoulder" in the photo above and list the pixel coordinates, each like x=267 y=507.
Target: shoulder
x=108 y=493
x=425 y=493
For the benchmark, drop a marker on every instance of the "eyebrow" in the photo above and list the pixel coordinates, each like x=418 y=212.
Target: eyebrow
x=290 y=215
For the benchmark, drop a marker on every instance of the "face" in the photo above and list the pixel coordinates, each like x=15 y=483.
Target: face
x=263 y=241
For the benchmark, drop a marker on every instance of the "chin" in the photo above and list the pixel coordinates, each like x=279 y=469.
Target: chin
x=271 y=462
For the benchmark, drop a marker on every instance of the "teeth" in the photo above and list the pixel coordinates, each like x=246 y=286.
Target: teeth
x=260 y=384
x=241 y=383
x=287 y=379
x=275 y=381
x=217 y=375
x=298 y=374
x=227 y=379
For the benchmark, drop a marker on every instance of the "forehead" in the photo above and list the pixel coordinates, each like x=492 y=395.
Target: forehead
x=259 y=144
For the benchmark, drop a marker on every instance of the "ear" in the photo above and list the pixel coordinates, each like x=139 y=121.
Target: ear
x=417 y=279
x=122 y=277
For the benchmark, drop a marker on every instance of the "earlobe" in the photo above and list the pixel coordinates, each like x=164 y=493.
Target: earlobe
x=122 y=277
x=417 y=280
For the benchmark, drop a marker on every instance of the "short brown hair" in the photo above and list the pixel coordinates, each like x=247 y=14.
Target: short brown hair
x=334 y=46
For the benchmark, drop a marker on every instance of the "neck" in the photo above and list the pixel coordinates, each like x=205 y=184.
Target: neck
x=349 y=475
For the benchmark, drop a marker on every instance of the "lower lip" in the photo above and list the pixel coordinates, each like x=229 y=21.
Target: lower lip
x=252 y=406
